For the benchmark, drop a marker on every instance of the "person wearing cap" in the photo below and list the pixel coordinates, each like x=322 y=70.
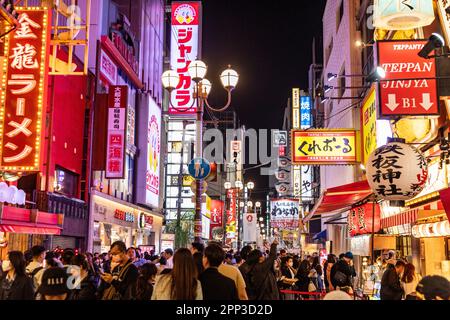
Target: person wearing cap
x=391 y=288
x=342 y=272
x=54 y=285
x=433 y=288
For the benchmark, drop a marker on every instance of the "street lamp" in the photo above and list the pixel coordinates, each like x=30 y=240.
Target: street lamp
x=258 y=204
x=250 y=185
x=250 y=204
x=238 y=184
x=197 y=70
x=227 y=185
x=241 y=204
x=261 y=219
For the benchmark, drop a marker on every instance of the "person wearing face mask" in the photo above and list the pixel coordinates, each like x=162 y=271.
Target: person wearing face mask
x=123 y=277
x=288 y=279
x=15 y=284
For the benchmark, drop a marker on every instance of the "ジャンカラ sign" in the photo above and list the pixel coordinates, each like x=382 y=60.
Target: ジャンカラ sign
x=322 y=147
x=412 y=89
x=24 y=87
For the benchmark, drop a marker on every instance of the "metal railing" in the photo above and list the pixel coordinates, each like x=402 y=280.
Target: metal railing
x=55 y=203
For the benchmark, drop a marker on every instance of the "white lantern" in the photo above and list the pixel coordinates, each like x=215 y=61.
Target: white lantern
x=3 y=191
x=11 y=195
x=402 y=15
x=415 y=231
x=21 y=197
x=397 y=172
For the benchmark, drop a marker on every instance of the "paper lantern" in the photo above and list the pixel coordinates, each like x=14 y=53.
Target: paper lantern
x=402 y=15
x=397 y=172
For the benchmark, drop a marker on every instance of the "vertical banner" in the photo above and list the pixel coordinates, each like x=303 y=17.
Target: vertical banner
x=115 y=145
x=185 y=44
x=216 y=216
x=231 y=214
x=153 y=155
x=296 y=108
x=249 y=225
x=305 y=112
x=24 y=91
x=369 y=125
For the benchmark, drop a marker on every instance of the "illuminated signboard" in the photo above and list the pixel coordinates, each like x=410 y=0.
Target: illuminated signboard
x=24 y=84
x=322 y=147
x=369 y=125
x=186 y=23
x=364 y=219
x=231 y=214
x=296 y=108
x=117 y=117
x=305 y=112
x=414 y=94
x=124 y=216
x=284 y=214
x=216 y=216
x=153 y=155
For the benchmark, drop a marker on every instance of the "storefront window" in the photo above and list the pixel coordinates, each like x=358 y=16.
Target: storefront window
x=66 y=182
x=404 y=247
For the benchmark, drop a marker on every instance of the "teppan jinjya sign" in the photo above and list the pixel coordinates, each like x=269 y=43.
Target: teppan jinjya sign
x=325 y=147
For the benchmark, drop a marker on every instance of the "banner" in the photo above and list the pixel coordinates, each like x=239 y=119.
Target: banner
x=284 y=214
x=249 y=225
x=115 y=144
x=153 y=155
x=216 y=216
x=324 y=147
x=24 y=102
x=369 y=125
x=360 y=220
x=231 y=213
x=186 y=23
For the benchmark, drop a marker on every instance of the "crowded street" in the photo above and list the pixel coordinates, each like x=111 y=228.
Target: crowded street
x=240 y=152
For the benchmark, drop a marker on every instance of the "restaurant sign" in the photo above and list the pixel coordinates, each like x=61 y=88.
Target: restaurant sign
x=364 y=219
x=324 y=147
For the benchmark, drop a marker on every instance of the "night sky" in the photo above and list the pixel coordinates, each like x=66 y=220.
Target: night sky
x=269 y=43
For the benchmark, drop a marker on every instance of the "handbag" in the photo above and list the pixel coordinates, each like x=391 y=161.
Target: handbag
x=311 y=286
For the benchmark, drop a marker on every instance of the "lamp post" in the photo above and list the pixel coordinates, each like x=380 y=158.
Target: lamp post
x=197 y=71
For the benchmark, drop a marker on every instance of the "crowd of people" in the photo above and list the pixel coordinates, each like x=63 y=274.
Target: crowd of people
x=200 y=273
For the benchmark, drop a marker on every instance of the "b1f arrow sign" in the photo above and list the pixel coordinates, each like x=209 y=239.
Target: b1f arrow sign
x=410 y=86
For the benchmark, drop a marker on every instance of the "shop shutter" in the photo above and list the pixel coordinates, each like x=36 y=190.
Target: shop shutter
x=64 y=242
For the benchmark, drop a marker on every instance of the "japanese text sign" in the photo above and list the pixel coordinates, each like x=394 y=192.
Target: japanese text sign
x=414 y=93
x=115 y=144
x=296 y=108
x=284 y=214
x=322 y=147
x=186 y=18
x=216 y=215
x=25 y=71
x=153 y=155
x=231 y=213
x=360 y=219
x=305 y=112
x=369 y=125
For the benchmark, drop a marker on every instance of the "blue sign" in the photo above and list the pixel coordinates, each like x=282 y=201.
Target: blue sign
x=199 y=168
x=305 y=112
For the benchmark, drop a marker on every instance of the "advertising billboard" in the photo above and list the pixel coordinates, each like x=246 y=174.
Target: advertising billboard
x=153 y=155
x=284 y=214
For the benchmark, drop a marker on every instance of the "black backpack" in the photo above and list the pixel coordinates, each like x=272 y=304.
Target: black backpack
x=33 y=274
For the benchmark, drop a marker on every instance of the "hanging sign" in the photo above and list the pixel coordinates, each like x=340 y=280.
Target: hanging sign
x=216 y=216
x=115 y=145
x=296 y=108
x=402 y=14
x=284 y=214
x=415 y=93
x=249 y=226
x=444 y=15
x=231 y=213
x=24 y=91
x=153 y=155
x=305 y=112
x=322 y=147
x=361 y=219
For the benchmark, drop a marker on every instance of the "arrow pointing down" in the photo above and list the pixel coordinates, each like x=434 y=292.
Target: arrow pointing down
x=426 y=104
x=392 y=102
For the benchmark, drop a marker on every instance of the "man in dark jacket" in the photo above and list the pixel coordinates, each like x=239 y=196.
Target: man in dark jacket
x=261 y=275
x=342 y=272
x=216 y=286
x=390 y=282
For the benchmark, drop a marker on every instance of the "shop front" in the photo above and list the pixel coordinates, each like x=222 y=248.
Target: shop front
x=115 y=220
x=21 y=228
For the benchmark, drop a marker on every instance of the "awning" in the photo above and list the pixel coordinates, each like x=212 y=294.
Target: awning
x=30 y=230
x=340 y=198
x=321 y=235
x=409 y=217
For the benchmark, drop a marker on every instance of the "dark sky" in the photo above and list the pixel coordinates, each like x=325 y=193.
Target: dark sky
x=269 y=43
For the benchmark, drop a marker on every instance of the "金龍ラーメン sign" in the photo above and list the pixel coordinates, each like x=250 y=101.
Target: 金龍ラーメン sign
x=322 y=147
x=410 y=85
x=186 y=17
x=25 y=71
x=115 y=144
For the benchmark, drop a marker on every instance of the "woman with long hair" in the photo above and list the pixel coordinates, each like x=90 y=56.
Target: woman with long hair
x=331 y=260
x=146 y=281
x=303 y=276
x=181 y=282
x=84 y=286
x=316 y=265
x=409 y=282
x=15 y=284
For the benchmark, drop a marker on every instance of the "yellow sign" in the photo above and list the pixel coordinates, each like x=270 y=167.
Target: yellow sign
x=325 y=147
x=187 y=181
x=369 y=125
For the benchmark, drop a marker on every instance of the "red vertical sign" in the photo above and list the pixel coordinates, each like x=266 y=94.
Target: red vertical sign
x=414 y=93
x=115 y=145
x=25 y=72
x=361 y=218
x=216 y=216
x=231 y=214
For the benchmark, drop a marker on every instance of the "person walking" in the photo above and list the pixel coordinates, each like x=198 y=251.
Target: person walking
x=215 y=285
x=146 y=281
x=181 y=282
x=36 y=265
x=409 y=281
x=121 y=282
x=15 y=284
x=261 y=276
x=83 y=284
x=197 y=250
x=391 y=288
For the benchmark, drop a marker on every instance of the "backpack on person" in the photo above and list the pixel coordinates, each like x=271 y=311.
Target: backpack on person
x=32 y=274
x=340 y=279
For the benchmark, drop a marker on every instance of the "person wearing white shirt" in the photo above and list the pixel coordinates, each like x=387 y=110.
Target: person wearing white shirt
x=409 y=281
